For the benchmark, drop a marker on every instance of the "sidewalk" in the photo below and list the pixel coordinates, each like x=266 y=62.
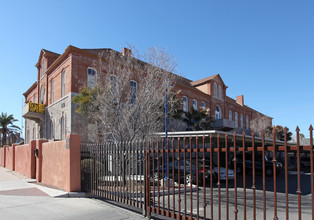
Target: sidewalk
x=22 y=198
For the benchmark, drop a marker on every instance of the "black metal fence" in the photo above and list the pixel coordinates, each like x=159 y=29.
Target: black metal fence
x=208 y=175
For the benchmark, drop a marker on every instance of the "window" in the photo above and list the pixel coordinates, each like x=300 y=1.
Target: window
x=203 y=105
x=230 y=115
x=241 y=120
x=133 y=91
x=43 y=68
x=52 y=129
x=194 y=104
x=63 y=83
x=215 y=89
x=217 y=112
x=236 y=119
x=51 y=91
x=91 y=77
x=185 y=104
x=42 y=95
x=34 y=99
x=219 y=92
x=113 y=84
x=247 y=122
x=62 y=128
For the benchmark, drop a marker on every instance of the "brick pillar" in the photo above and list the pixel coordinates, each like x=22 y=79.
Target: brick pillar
x=39 y=159
x=4 y=155
x=32 y=145
x=13 y=153
x=73 y=163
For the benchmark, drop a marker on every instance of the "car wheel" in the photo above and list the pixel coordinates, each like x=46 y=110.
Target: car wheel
x=188 y=179
x=269 y=172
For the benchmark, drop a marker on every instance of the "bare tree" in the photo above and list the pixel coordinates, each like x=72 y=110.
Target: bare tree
x=127 y=102
x=261 y=123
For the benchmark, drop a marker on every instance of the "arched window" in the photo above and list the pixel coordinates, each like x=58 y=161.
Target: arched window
x=42 y=95
x=51 y=91
x=236 y=119
x=52 y=129
x=43 y=68
x=215 y=89
x=219 y=92
x=247 y=122
x=194 y=104
x=203 y=105
x=185 y=104
x=218 y=112
x=230 y=115
x=63 y=83
x=62 y=127
x=91 y=77
x=133 y=91
x=241 y=120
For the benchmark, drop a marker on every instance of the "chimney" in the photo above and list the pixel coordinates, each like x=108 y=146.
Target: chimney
x=240 y=100
x=126 y=52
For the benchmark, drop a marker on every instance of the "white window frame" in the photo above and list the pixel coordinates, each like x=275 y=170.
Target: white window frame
x=91 y=79
x=230 y=115
x=218 y=112
x=236 y=119
x=194 y=104
x=203 y=105
x=63 y=83
x=42 y=94
x=133 y=92
x=185 y=104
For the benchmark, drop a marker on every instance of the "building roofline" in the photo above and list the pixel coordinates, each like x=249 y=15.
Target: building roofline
x=30 y=89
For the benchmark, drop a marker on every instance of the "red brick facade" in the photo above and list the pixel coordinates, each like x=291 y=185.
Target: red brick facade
x=75 y=62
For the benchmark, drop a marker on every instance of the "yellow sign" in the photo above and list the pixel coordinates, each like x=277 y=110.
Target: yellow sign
x=35 y=107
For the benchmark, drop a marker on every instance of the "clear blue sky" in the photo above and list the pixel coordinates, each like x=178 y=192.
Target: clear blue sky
x=262 y=49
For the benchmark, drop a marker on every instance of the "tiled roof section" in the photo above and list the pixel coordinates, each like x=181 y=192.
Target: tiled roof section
x=50 y=52
x=201 y=81
x=97 y=51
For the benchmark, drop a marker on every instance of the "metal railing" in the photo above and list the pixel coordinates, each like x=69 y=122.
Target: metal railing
x=114 y=172
x=205 y=175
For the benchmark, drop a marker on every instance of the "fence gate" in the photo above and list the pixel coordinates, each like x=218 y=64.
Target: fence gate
x=114 y=172
x=215 y=175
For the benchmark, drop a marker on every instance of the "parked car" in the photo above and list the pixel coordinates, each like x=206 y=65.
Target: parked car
x=223 y=171
x=190 y=177
x=258 y=164
x=305 y=163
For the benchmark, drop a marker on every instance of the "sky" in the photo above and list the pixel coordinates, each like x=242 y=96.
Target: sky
x=263 y=50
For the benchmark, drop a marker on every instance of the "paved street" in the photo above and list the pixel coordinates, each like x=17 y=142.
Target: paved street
x=21 y=198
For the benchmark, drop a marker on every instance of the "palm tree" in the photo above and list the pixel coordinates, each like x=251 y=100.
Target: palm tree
x=7 y=128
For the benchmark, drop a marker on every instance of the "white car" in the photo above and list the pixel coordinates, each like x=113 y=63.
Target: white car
x=223 y=173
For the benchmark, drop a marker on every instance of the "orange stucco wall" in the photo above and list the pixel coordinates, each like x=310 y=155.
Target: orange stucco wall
x=53 y=164
x=9 y=160
x=60 y=165
x=25 y=159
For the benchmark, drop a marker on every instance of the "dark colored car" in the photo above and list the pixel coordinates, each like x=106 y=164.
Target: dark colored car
x=190 y=177
x=258 y=164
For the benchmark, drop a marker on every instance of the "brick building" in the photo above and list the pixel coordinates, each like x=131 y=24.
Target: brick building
x=60 y=77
